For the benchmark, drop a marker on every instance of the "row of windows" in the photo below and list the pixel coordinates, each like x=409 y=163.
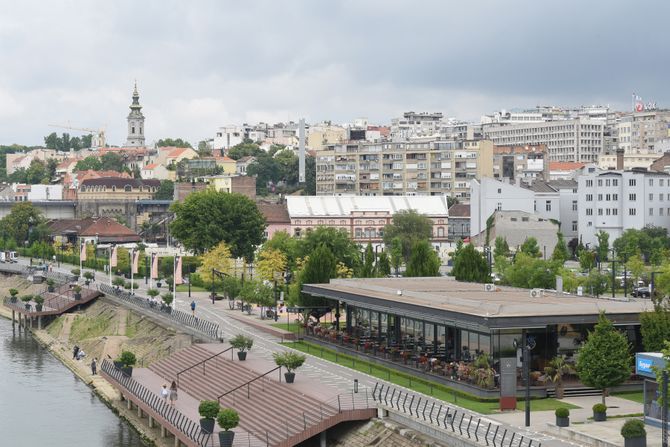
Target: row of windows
x=126 y=188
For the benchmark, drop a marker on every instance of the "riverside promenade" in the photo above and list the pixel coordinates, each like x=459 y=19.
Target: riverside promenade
x=268 y=340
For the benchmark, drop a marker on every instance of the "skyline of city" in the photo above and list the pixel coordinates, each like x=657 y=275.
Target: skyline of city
x=198 y=69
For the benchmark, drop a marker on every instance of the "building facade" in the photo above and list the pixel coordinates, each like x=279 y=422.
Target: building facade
x=614 y=201
x=578 y=140
x=420 y=167
x=528 y=162
x=644 y=131
x=115 y=188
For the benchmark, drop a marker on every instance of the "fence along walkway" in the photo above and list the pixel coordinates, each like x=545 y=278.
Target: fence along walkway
x=157 y=407
x=453 y=419
x=200 y=325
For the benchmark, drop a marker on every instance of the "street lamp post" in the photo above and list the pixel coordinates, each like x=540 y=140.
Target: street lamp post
x=528 y=345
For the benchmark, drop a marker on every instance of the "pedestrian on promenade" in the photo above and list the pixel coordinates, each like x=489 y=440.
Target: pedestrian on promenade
x=75 y=351
x=193 y=307
x=173 y=393
x=94 y=366
x=164 y=392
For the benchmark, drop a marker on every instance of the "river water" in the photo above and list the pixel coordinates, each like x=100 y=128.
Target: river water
x=42 y=403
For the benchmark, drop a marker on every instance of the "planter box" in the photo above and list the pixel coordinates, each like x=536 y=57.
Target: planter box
x=226 y=438
x=207 y=425
x=242 y=355
x=599 y=417
x=289 y=377
x=562 y=422
x=635 y=442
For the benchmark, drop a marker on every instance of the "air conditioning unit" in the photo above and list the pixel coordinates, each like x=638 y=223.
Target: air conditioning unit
x=489 y=287
x=536 y=293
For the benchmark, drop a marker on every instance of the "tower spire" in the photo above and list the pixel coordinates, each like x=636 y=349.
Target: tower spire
x=135 y=121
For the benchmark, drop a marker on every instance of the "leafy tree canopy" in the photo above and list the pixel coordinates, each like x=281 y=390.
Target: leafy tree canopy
x=165 y=190
x=110 y=161
x=560 y=253
x=245 y=149
x=218 y=258
x=501 y=248
x=604 y=360
x=271 y=265
x=23 y=223
x=470 y=265
x=320 y=267
x=208 y=217
x=423 y=261
x=651 y=243
x=65 y=142
x=173 y=142
x=338 y=243
x=409 y=227
x=531 y=248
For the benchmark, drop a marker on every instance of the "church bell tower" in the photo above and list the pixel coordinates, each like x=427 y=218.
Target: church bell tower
x=135 y=122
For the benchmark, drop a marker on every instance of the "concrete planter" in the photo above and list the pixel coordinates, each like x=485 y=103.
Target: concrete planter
x=599 y=417
x=242 y=355
x=635 y=442
x=226 y=438
x=289 y=377
x=207 y=425
x=562 y=422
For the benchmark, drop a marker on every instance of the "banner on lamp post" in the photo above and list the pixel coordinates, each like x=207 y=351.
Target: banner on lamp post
x=154 y=266
x=112 y=259
x=82 y=250
x=136 y=262
x=177 y=270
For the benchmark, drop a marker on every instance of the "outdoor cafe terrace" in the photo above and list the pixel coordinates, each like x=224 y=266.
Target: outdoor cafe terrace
x=459 y=331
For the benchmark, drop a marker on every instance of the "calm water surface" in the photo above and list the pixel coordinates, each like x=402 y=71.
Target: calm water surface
x=42 y=403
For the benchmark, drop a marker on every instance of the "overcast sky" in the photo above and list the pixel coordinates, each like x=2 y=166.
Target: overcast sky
x=203 y=64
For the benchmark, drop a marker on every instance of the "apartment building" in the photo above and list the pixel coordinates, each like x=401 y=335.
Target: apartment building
x=613 y=201
x=528 y=162
x=419 y=167
x=578 y=140
x=644 y=132
x=556 y=201
x=413 y=124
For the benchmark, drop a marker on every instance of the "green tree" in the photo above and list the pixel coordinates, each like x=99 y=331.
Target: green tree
x=165 y=191
x=310 y=175
x=287 y=245
x=245 y=149
x=320 y=267
x=560 y=253
x=112 y=161
x=501 y=248
x=531 y=248
x=368 y=270
x=531 y=272
x=52 y=141
x=423 y=261
x=410 y=227
x=91 y=162
x=23 y=223
x=204 y=149
x=208 y=217
x=37 y=172
x=470 y=265
x=267 y=172
x=603 y=245
x=383 y=265
x=655 y=328
x=396 y=253
x=604 y=360
x=337 y=241
x=587 y=259
x=170 y=142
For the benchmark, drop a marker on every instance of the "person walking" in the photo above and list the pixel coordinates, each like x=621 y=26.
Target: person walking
x=193 y=307
x=75 y=351
x=94 y=366
x=173 y=393
x=164 y=392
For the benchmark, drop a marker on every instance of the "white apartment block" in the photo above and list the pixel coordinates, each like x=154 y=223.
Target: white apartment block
x=228 y=136
x=614 y=201
x=414 y=124
x=579 y=140
x=555 y=201
x=420 y=167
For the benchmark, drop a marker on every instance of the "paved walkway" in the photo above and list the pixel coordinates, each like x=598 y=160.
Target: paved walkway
x=340 y=378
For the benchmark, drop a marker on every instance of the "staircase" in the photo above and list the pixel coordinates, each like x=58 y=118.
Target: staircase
x=577 y=391
x=274 y=412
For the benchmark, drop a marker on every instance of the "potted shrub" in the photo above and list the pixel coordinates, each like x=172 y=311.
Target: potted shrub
x=634 y=434
x=227 y=420
x=39 y=301
x=599 y=412
x=76 y=273
x=289 y=360
x=169 y=280
x=209 y=410
x=118 y=282
x=26 y=301
x=89 y=277
x=167 y=299
x=153 y=293
x=562 y=417
x=77 y=292
x=158 y=282
x=12 y=294
x=50 y=285
x=127 y=360
x=242 y=344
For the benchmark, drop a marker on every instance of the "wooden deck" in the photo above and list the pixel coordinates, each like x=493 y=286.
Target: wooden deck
x=57 y=302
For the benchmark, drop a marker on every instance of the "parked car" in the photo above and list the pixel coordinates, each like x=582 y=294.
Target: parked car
x=641 y=292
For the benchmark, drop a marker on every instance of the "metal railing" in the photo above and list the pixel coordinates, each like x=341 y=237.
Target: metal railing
x=248 y=384
x=453 y=419
x=200 y=325
x=202 y=362
x=169 y=414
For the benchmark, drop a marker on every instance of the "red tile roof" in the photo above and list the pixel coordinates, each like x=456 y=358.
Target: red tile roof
x=276 y=213
x=106 y=229
x=459 y=210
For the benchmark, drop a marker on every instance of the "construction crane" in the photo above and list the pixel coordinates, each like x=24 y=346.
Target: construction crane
x=98 y=139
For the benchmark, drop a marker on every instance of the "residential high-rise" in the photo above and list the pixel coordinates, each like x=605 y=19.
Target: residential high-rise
x=425 y=166
x=135 y=122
